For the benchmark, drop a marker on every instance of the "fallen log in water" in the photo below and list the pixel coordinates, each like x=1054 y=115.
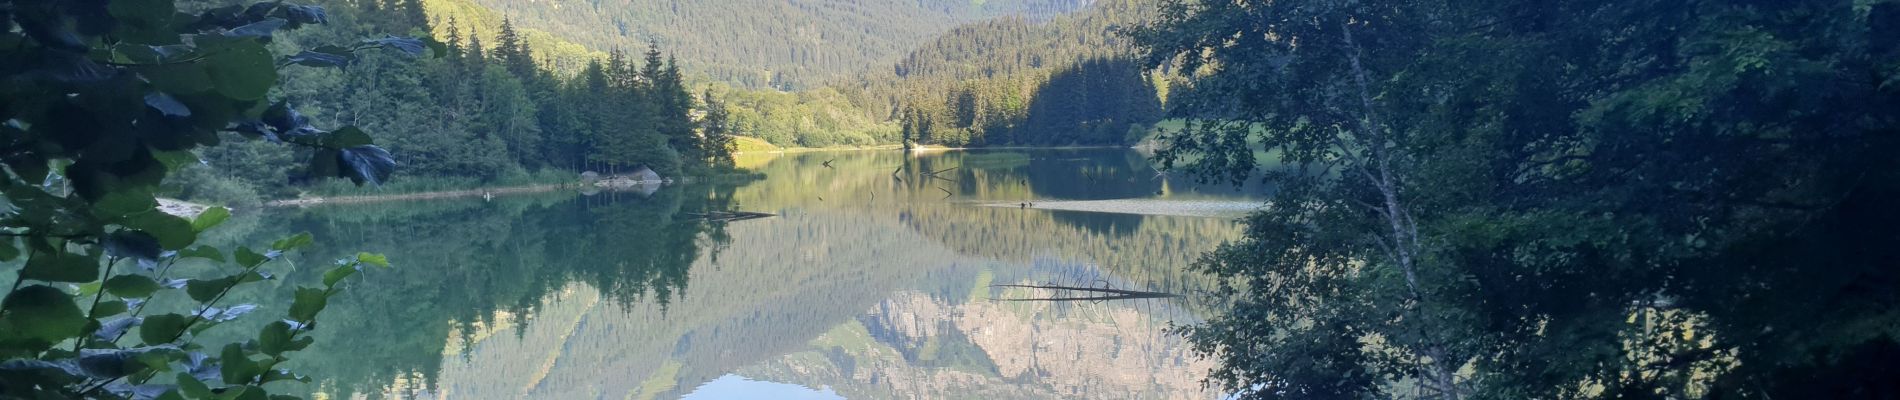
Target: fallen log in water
x=729 y=216
x=1111 y=294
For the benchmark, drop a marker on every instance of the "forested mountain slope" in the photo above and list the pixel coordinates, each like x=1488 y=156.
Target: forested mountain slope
x=763 y=43
x=556 y=52
x=980 y=84
x=1007 y=46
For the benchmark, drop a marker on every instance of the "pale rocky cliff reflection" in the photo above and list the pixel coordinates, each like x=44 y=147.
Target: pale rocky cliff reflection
x=876 y=291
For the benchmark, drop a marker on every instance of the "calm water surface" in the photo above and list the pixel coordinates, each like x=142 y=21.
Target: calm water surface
x=869 y=284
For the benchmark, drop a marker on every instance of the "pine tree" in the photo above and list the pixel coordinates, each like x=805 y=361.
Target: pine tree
x=512 y=52
x=654 y=67
x=716 y=133
x=675 y=106
x=472 y=59
x=454 y=40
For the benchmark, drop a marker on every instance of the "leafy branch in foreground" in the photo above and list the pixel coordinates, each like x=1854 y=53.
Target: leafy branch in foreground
x=102 y=100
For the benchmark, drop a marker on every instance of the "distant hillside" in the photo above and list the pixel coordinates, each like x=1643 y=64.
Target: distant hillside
x=1003 y=48
x=556 y=51
x=785 y=44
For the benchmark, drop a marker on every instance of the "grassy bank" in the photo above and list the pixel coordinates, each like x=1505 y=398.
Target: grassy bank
x=751 y=145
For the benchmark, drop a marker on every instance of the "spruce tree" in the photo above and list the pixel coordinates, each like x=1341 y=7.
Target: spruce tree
x=512 y=52
x=454 y=40
x=716 y=133
x=472 y=59
x=675 y=105
x=654 y=67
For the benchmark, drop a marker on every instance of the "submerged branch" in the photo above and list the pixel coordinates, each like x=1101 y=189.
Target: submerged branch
x=1112 y=294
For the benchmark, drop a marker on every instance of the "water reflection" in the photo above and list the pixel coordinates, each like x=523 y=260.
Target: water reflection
x=867 y=284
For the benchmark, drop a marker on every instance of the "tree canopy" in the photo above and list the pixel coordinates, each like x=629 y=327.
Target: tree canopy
x=101 y=102
x=1506 y=199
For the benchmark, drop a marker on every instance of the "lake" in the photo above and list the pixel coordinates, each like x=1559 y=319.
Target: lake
x=875 y=279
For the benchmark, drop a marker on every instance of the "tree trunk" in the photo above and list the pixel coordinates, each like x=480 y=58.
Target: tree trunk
x=1404 y=245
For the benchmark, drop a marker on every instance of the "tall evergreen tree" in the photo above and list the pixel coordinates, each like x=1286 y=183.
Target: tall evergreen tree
x=472 y=58
x=654 y=67
x=716 y=133
x=512 y=52
x=675 y=105
x=454 y=40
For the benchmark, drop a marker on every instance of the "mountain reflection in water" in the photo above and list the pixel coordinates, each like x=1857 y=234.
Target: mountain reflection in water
x=866 y=284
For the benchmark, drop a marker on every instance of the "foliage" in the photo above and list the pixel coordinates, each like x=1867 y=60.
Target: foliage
x=1012 y=81
x=813 y=118
x=1096 y=101
x=1017 y=53
x=719 y=138
x=988 y=72
x=786 y=45
x=102 y=101
x=1507 y=199
x=481 y=116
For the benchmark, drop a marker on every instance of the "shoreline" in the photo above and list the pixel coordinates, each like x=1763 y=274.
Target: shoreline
x=791 y=150
x=1141 y=206
x=188 y=209
x=476 y=192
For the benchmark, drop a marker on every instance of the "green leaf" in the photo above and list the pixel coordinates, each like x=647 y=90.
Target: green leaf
x=191 y=387
x=242 y=70
x=373 y=259
x=162 y=328
x=8 y=251
x=204 y=290
x=301 y=343
x=294 y=242
x=174 y=160
x=202 y=251
x=131 y=286
x=89 y=288
x=109 y=308
x=31 y=166
x=132 y=244
x=209 y=218
x=283 y=375
x=274 y=339
x=43 y=313
x=137 y=53
x=172 y=232
x=184 y=78
x=247 y=258
x=116 y=205
x=245 y=393
x=437 y=49
x=309 y=302
x=334 y=275
x=150 y=11
x=347 y=137
x=237 y=367
x=60 y=266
